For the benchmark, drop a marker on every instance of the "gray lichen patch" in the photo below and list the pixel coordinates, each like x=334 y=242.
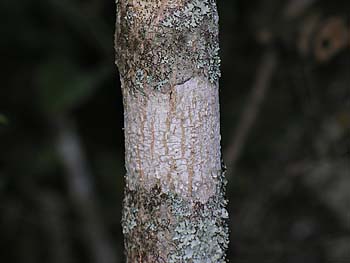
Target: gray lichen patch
x=190 y=16
x=201 y=232
x=168 y=41
x=161 y=227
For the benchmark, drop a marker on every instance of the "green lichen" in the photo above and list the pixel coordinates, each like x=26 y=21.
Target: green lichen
x=164 y=227
x=168 y=47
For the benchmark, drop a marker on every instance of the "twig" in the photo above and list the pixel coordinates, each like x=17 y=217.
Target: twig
x=264 y=74
x=81 y=193
x=55 y=227
x=295 y=8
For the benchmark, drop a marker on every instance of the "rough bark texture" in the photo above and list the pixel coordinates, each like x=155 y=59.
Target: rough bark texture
x=167 y=55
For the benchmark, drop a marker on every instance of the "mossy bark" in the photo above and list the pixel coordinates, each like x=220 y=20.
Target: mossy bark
x=167 y=55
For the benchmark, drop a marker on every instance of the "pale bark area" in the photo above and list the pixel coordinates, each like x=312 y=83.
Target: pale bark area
x=167 y=56
x=173 y=140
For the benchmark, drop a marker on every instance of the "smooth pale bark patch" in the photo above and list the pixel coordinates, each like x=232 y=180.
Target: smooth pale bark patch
x=173 y=140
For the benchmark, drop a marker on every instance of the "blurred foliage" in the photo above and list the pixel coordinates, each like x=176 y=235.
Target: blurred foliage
x=3 y=120
x=63 y=85
x=289 y=198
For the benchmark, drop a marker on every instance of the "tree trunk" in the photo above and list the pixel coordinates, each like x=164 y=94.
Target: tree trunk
x=167 y=55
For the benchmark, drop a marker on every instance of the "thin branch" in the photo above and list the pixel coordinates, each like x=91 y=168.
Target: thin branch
x=249 y=115
x=295 y=8
x=55 y=227
x=81 y=193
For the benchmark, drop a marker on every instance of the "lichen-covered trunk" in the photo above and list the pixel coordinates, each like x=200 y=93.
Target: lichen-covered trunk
x=167 y=55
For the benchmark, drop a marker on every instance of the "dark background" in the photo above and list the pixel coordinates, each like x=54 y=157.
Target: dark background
x=285 y=117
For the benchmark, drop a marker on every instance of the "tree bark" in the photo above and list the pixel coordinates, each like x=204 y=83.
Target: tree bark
x=174 y=206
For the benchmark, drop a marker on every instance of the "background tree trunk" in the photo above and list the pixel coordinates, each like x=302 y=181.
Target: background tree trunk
x=167 y=55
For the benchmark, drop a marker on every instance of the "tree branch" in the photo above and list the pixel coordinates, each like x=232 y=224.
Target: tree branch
x=264 y=75
x=81 y=193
